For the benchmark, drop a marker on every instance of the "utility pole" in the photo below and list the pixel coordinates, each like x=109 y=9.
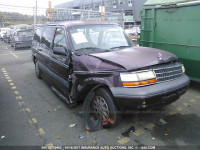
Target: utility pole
x=50 y=11
x=134 y=15
x=83 y=5
x=92 y=5
x=102 y=12
x=35 y=14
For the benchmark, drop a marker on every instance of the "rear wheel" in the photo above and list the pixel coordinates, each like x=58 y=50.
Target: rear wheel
x=101 y=107
x=15 y=48
x=11 y=43
x=37 y=70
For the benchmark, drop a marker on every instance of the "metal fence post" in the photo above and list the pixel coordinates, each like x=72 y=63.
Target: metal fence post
x=123 y=17
x=35 y=14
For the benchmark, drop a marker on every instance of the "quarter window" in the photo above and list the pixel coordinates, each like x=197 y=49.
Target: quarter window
x=47 y=37
x=38 y=34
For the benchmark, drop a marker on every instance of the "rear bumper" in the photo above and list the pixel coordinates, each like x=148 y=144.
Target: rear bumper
x=152 y=95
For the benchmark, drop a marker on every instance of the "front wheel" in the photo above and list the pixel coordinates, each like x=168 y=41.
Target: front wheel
x=37 y=70
x=102 y=108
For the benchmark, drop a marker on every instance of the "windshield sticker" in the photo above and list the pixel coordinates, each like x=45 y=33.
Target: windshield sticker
x=79 y=38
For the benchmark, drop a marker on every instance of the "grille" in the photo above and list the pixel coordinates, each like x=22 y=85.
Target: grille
x=168 y=72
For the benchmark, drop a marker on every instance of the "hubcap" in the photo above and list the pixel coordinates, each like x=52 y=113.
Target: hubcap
x=100 y=108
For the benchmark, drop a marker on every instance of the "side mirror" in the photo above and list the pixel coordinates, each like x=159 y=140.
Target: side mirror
x=59 y=51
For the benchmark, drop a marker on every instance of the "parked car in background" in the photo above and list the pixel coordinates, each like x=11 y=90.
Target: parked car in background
x=2 y=32
x=22 y=38
x=7 y=36
x=96 y=62
x=133 y=31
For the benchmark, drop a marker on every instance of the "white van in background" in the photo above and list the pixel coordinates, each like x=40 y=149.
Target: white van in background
x=2 y=32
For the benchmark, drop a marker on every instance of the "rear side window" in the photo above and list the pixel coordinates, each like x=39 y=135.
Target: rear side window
x=38 y=34
x=47 y=37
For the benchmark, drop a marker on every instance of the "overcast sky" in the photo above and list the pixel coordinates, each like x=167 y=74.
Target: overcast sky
x=28 y=3
x=31 y=3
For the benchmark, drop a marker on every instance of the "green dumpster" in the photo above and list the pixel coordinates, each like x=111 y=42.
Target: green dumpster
x=174 y=26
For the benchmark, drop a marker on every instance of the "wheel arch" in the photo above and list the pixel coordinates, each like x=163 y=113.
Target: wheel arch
x=92 y=87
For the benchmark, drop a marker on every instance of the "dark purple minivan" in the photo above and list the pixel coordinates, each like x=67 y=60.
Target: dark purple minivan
x=96 y=62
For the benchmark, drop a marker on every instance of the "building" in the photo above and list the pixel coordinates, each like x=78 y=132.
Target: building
x=130 y=8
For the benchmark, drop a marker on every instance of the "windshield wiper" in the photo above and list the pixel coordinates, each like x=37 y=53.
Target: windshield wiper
x=87 y=48
x=106 y=50
x=119 y=47
x=90 y=48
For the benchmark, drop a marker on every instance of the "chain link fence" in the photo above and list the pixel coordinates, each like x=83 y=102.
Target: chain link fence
x=17 y=23
x=13 y=16
x=78 y=14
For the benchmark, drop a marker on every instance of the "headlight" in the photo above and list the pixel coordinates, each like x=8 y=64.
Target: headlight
x=146 y=75
x=138 y=78
x=129 y=77
x=183 y=69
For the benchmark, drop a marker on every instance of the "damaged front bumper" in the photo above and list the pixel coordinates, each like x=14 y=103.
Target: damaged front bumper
x=150 y=96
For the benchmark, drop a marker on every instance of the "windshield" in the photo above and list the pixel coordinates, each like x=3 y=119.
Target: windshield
x=98 y=38
x=26 y=33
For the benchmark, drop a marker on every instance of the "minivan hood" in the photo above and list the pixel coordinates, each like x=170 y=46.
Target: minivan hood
x=136 y=57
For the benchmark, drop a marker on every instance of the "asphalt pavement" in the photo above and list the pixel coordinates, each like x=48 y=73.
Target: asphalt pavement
x=31 y=114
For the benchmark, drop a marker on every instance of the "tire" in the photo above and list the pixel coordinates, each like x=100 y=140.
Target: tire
x=15 y=48
x=102 y=102
x=38 y=70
